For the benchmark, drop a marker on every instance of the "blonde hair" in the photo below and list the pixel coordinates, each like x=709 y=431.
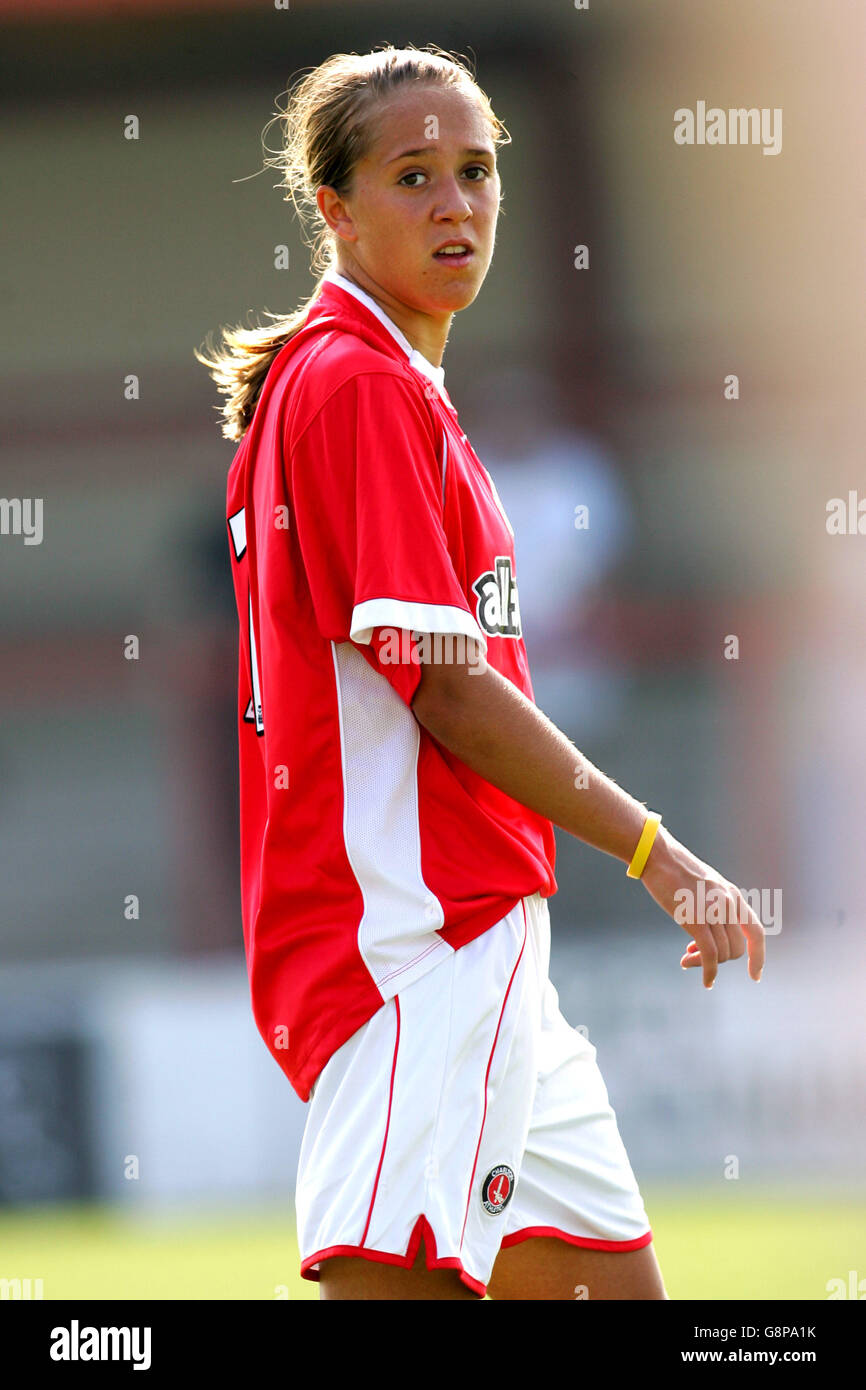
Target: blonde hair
x=326 y=129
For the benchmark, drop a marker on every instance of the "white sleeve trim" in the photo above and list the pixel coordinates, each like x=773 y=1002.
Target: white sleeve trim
x=415 y=617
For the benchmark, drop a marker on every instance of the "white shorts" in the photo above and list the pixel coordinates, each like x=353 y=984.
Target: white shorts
x=466 y=1110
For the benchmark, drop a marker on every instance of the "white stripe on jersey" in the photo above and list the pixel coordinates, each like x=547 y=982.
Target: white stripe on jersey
x=379 y=742
x=414 y=617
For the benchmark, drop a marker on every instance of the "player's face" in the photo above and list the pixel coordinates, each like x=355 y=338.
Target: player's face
x=403 y=206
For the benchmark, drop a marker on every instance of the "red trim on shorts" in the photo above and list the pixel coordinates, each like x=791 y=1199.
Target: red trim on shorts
x=487 y=1073
x=422 y=1227
x=387 y=1126
x=586 y=1242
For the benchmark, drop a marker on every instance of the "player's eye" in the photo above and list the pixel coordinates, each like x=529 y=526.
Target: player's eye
x=417 y=173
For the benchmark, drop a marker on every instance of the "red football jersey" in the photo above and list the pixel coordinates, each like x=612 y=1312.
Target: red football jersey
x=360 y=519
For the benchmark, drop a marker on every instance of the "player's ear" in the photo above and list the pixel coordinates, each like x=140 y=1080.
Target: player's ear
x=335 y=213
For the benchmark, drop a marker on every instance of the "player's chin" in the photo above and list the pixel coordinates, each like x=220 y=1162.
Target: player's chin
x=452 y=291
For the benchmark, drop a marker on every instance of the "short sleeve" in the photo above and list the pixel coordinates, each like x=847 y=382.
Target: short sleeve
x=366 y=485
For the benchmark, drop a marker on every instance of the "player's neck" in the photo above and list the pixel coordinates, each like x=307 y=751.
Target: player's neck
x=426 y=334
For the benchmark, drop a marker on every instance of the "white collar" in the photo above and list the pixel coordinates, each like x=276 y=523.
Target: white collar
x=416 y=359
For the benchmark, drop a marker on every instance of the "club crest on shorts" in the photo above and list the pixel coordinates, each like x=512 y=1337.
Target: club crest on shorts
x=497 y=1189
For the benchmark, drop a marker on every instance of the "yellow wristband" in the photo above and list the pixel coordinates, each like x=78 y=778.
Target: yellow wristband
x=644 y=845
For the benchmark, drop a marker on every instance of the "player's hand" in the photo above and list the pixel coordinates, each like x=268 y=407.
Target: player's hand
x=671 y=876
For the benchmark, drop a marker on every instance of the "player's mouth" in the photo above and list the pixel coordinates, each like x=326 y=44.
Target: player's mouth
x=454 y=253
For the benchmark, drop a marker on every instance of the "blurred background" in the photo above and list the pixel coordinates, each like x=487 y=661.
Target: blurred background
x=148 y=1142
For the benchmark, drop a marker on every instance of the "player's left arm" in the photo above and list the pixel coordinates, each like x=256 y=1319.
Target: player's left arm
x=481 y=717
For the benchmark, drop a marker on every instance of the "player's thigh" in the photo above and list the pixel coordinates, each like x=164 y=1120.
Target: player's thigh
x=544 y=1267
x=351 y=1278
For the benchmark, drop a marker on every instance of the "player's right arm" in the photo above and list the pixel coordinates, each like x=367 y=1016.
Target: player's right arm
x=485 y=721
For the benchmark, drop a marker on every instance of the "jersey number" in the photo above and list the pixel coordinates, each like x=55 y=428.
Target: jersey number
x=253 y=713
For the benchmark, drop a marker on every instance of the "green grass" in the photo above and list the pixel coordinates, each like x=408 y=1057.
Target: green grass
x=727 y=1243
x=718 y=1243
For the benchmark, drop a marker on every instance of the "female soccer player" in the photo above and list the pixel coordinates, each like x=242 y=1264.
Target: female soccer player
x=399 y=785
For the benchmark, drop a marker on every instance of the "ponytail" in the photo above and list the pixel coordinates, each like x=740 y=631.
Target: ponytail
x=243 y=360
